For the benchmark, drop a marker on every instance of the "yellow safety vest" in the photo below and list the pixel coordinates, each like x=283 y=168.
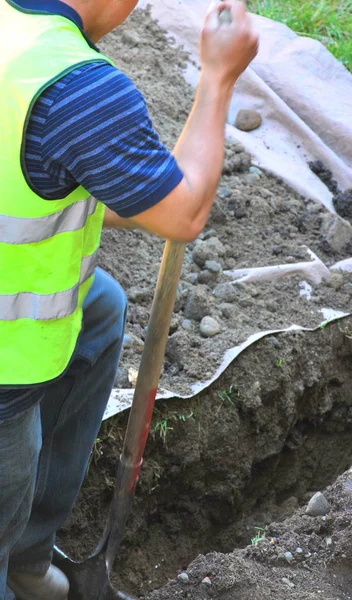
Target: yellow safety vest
x=48 y=248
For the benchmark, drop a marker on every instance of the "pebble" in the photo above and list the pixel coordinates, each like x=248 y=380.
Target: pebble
x=206 y=581
x=213 y=266
x=209 y=327
x=121 y=378
x=186 y=324
x=197 y=304
x=224 y=192
x=288 y=582
x=288 y=557
x=225 y=292
x=183 y=577
x=318 y=505
x=337 y=232
x=252 y=178
x=299 y=550
x=209 y=249
x=248 y=120
x=255 y=170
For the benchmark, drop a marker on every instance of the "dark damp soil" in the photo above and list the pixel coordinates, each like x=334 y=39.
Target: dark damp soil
x=250 y=450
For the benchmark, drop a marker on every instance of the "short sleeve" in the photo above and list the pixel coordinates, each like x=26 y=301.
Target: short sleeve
x=99 y=130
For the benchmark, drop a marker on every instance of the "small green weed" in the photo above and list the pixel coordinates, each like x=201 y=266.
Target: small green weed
x=259 y=536
x=225 y=395
x=280 y=362
x=162 y=425
x=96 y=453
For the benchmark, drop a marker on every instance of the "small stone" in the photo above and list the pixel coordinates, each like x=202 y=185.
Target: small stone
x=197 y=304
x=328 y=541
x=213 y=266
x=318 y=505
x=206 y=581
x=252 y=178
x=186 y=324
x=209 y=327
x=287 y=582
x=137 y=294
x=255 y=170
x=288 y=557
x=337 y=232
x=299 y=550
x=226 y=292
x=183 y=577
x=248 y=120
x=224 y=192
x=132 y=341
x=209 y=249
x=336 y=281
x=176 y=346
x=131 y=38
x=121 y=378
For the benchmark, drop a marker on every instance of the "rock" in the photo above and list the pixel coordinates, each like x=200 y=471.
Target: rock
x=206 y=581
x=213 y=266
x=252 y=178
x=132 y=341
x=131 y=38
x=137 y=294
x=318 y=505
x=207 y=276
x=299 y=550
x=209 y=327
x=121 y=379
x=255 y=170
x=248 y=120
x=337 y=232
x=288 y=556
x=224 y=192
x=287 y=582
x=197 y=304
x=336 y=281
x=209 y=249
x=226 y=292
x=183 y=577
x=176 y=347
x=186 y=324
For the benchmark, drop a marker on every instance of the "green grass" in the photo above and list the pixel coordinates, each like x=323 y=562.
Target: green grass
x=329 y=21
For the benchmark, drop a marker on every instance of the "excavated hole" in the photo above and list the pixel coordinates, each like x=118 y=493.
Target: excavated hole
x=275 y=428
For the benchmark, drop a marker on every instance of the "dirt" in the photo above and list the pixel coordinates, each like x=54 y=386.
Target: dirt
x=250 y=450
x=257 y=221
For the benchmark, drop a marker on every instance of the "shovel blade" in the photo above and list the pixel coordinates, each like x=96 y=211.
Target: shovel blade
x=89 y=580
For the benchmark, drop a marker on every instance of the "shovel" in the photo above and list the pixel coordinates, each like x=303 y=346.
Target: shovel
x=89 y=580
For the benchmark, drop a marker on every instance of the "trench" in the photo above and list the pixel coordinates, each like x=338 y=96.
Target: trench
x=250 y=450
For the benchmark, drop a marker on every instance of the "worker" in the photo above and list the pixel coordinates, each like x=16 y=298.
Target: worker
x=77 y=151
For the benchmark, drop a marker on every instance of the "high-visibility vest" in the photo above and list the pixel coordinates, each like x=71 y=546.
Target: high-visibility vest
x=48 y=248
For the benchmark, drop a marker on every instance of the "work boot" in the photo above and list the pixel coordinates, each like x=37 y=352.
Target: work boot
x=53 y=585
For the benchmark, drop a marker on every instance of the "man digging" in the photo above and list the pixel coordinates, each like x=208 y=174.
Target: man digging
x=72 y=126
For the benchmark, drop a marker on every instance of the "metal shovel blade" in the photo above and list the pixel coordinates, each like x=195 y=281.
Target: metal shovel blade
x=88 y=579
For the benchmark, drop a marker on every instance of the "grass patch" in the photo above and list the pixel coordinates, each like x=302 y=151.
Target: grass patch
x=330 y=22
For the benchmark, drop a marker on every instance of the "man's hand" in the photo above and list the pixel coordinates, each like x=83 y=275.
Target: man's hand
x=227 y=48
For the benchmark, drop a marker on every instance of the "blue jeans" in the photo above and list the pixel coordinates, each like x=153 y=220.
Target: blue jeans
x=44 y=451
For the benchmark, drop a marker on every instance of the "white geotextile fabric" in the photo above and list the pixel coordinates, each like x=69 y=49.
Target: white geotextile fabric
x=305 y=98
x=302 y=92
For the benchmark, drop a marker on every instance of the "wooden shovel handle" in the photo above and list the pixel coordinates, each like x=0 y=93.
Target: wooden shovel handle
x=143 y=401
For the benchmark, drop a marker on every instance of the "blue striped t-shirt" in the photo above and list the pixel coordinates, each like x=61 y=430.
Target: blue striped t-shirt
x=92 y=128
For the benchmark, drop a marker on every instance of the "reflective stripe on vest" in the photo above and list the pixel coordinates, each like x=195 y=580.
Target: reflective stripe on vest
x=18 y=230
x=43 y=307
